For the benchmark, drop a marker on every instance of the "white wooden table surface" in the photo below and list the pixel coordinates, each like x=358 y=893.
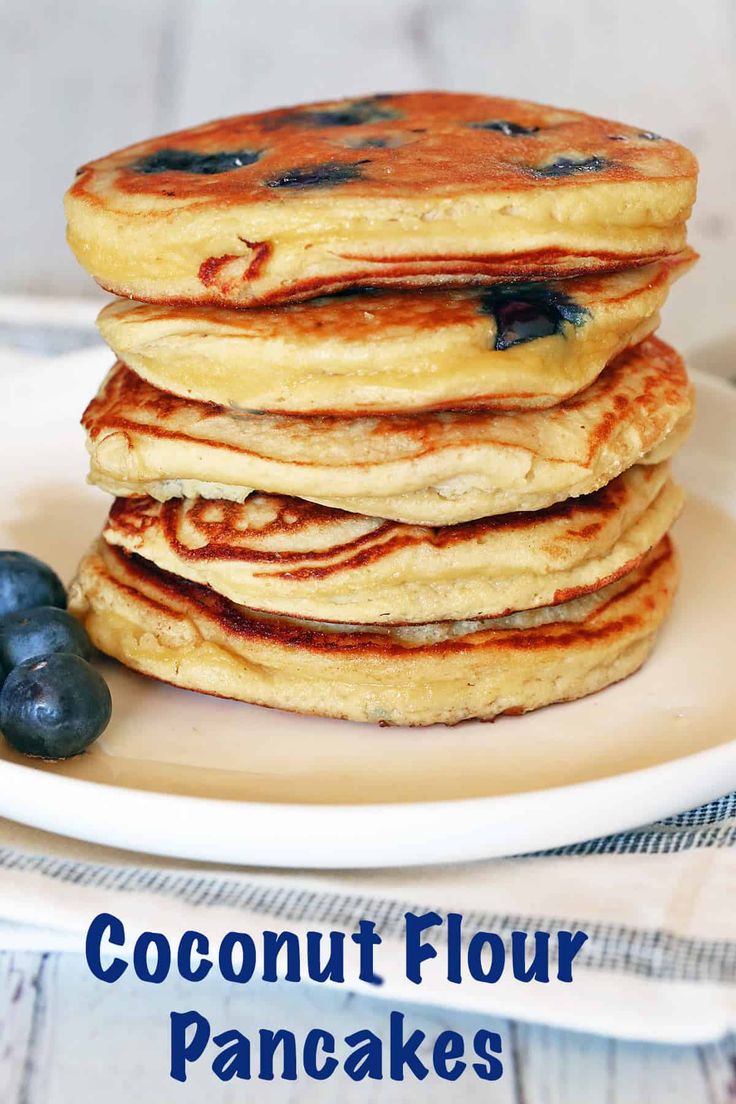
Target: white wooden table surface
x=68 y=1039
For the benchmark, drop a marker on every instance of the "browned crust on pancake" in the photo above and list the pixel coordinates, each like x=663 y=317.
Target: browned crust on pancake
x=411 y=273
x=354 y=322
x=293 y=515
x=217 y=528
x=128 y=515
x=428 y=310
x=367 y=555
x=210 y=269
x=448 y=153
x=433 y=146
x=666 y=384
x=249 y=626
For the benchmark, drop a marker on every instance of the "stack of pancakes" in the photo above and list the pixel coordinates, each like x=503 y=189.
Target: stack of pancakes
x=389 y=432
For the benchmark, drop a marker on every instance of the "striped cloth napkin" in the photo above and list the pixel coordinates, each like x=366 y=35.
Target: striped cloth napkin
x=657 y=904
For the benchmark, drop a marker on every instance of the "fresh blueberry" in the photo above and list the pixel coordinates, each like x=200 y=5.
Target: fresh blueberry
x=511 y=130
x=4 y=672
x=569 y=166
x=54 y=707
x=206 y=164
x=325 y=175
x=524 y=312
x=38 y=632
x=26 y=582
x=355 y=113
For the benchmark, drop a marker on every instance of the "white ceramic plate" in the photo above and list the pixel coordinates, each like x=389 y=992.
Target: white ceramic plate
x=181 y=774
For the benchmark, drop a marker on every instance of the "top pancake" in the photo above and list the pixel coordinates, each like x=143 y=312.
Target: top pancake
x=412 y=189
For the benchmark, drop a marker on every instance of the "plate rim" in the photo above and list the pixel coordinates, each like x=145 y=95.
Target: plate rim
x=451 y=803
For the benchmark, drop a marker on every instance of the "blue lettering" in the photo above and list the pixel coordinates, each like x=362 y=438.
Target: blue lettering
x=270 y=1041
x=162 y=964
x=539 y=968
x=367 y=939
x=487 y=1044
x=568 y=945
x=403 y=1051
x=416 y=951
x=449 y=1047
x=193 y=942
x=476 y=947
x=225 y=958
x=314 y=1040
x=366 y=1056
x=105 y=924
x=182 y=1051
x=234 y=1057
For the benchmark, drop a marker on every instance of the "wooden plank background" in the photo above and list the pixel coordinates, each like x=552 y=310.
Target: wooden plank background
x=68 y=1039
x=80 y=79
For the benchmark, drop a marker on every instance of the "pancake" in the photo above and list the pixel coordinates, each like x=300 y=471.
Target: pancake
x=388 y=190
x=426 y=469
x=187 y=635
x=287 y=556
x=517 y=346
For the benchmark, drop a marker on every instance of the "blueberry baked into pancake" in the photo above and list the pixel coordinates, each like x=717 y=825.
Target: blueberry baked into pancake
x=389 y=427
x=509 y=347
x=408 y=190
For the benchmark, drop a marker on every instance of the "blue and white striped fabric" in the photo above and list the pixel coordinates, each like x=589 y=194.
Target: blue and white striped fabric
x=710 y=825
x=622 y=947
